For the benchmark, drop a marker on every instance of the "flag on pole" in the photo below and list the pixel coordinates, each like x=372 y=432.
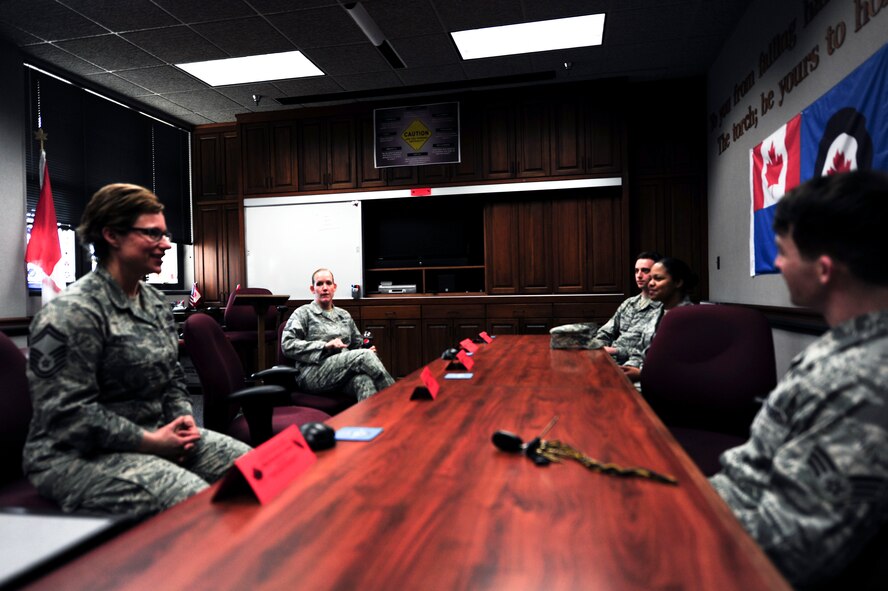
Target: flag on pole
x=44 y=249
x=195 y=298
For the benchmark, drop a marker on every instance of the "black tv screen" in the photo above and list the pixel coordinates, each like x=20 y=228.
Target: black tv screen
x=423 y=231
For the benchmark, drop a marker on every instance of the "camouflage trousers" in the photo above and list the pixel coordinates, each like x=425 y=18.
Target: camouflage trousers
x=135 y=483
x=358 y=372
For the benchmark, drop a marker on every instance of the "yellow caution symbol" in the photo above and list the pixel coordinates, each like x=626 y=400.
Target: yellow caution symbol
x=416 y=134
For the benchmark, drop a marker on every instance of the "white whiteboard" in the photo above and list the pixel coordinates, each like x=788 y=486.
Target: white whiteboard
x=286 y=243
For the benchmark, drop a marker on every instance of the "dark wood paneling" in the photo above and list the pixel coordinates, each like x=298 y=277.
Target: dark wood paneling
x=608 y=270
x=535 y=247
x=532 y=139
x=570 y=252
x=501 y=239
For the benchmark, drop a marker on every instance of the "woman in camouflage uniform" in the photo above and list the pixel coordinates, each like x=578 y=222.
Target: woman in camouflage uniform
x=112 y=430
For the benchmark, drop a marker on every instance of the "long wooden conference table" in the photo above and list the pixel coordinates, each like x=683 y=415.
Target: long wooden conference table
x=432 y=504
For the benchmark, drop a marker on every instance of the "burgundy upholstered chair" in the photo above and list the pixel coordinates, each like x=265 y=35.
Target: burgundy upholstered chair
x=267 y=409
x=332 y=402
x=15 y=416
x=705 y=375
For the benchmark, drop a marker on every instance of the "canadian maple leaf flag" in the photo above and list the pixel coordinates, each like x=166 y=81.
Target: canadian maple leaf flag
x=775 y=168
x=44 y=249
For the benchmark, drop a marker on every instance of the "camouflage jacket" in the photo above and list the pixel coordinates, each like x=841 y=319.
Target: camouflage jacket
x=811 y=484
x=646 y=333
x=623 y=330
x=310 y=328
x=102 y=367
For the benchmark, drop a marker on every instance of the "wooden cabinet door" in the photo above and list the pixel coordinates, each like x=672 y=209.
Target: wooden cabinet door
x=256 y=152
x=437 y=336
x=569 y=250
x=532 y=140
x=567 y=138
x=501 y=248
x=604 y=142
x=535 y=247
x=218 y=262
x=367 y=173
x=269 y=157
x=326 y=154
x=406 y=343
x=498 y=142
x=608 y=272
x=341 y=153
x=216 y=164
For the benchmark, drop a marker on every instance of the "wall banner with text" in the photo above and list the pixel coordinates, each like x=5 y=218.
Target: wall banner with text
x=416 y=135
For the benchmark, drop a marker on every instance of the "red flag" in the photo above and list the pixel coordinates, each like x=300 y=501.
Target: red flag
x=44 y=249
x=195 y=298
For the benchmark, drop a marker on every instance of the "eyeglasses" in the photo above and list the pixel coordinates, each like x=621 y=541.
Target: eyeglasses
x=154 y=234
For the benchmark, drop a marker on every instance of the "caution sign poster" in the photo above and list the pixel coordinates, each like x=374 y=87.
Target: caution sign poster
x=416 y=135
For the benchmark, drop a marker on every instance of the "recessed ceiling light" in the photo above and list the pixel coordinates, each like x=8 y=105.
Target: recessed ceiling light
x=254 y=68
x=560 y=33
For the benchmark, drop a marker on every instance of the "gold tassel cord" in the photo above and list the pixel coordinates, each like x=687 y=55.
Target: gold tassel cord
x=555 y=450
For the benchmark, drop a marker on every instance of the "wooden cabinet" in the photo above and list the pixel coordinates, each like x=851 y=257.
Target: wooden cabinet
x=519 y=318
x=327 y=154
x=269 y=157
x=216 y=158
x=218 y=263
x=518 y=248
x=570 y=244
x=585 y=139
x=367 y=174
x=397 y=333
x=515 y=140
x=468 y=169
x=444 y=326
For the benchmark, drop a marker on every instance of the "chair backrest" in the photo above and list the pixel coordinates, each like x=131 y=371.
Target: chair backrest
x=15 y=409
x=218 y=368
x=281 y=358
x=708 y=366
x=240 y=317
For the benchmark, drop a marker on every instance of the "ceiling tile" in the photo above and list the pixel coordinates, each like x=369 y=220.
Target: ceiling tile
x=63 y=60
x=318 y=27
x=177 y=45
x=109 y=52
x=139 y=14
x=245 y=36
x=200 y=11
x=47 y=19
x=162 y=79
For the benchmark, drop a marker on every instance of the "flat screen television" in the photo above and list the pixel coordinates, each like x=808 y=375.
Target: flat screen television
x=423 y=232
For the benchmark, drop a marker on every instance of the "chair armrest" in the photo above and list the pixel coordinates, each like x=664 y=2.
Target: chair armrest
x=280 y=375
x=265 y=395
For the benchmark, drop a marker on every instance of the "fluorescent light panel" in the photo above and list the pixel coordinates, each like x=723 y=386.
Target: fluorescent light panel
x=560 y=33
x=254 y=68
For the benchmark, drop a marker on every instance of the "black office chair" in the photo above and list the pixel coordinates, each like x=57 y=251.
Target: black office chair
x=267 y=409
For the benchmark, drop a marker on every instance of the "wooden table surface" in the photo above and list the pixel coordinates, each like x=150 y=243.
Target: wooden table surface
x=432 y=504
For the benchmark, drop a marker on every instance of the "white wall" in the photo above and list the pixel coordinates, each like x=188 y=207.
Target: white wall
x=13 y=289
x=729 y=198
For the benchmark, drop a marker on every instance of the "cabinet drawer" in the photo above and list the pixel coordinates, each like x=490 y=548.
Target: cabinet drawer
x=519 y=310
x=453 y=311
x=389 y=312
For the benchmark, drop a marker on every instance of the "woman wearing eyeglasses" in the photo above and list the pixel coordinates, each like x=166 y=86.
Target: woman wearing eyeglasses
x=112 y=430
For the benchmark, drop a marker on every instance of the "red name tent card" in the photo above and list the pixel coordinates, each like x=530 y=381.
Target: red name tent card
x=271 y=467
x=487 y=338
x=467 y=361
x=430 y=386
x=423 y=192
x=468 y=345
